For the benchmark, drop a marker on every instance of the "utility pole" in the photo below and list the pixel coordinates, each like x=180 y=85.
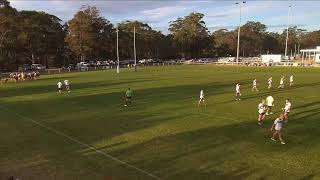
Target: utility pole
x=134 y=49
x=118 y=63
x=238 y=46
x=285 y=53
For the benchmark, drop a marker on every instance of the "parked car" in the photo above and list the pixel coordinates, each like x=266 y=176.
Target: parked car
x=92 y=64
x=71 y=67
x=82 y=65
x=142 y=61
x=38 y=67
x=25 y=67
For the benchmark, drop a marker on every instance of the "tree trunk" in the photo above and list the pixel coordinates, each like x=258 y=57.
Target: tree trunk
x=32 y=57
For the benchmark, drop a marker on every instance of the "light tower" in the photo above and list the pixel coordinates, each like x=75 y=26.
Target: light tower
x=238 y=45
x=286 y=50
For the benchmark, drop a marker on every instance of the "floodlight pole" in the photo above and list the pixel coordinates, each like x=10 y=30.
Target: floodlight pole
x=118 y=64
x=286 y=50
x=134 y=49
x=238 y=45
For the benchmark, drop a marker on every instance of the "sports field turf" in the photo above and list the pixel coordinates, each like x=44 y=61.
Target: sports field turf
x=163 y=133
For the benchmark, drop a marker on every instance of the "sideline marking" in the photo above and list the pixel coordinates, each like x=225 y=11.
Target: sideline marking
x=82 y=144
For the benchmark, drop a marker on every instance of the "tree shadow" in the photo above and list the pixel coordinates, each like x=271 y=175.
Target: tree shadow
x=175 y=156
x=213 y=146
x=273 y=92
x=39 y=89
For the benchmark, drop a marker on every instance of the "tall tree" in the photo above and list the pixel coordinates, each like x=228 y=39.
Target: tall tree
x=271 y=44
x=147 y=40
x=252 y=37
x=89 y=34
x=190 y=34
x=225 y=42
x=295 y=35
x=42 y=36
x=9 y=30
x=310 y=39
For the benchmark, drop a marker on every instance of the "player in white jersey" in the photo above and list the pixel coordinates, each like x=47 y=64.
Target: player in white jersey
x=270 y=83
x=287 y=109
x=262 y=112
x=201 y=100
x=281 y=85
x=238 y=93
x=59 y=84
x=269 y=102
x=277 y=126
x=254 y=85
x=291 y=80
x=67 y=85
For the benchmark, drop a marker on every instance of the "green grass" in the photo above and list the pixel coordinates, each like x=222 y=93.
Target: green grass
x=164 y=132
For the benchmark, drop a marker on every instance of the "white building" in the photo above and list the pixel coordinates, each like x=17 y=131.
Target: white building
x=272 y=58
x=310 y=55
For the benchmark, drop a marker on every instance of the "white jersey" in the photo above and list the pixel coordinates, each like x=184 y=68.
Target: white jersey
x=287 y=107
x=269 y=81
x=269 y=101
x=201 y=94
x=281 y=80
x=238 y=88
x=59 y=84
x=278 y=124
x=66 y=82
x=291 y=78
x=254 y=83
x=261 y=108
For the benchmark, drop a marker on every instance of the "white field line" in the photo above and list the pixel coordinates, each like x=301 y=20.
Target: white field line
x=108 y=156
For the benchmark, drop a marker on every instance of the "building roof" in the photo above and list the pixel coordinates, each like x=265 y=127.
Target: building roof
x=311 y=50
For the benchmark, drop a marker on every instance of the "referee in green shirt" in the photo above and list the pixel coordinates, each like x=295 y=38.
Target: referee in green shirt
x=128 y=96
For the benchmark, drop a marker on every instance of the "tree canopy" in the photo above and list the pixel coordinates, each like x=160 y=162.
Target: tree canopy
x=39 y=37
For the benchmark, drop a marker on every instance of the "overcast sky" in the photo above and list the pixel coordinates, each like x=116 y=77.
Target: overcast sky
x=218 y=14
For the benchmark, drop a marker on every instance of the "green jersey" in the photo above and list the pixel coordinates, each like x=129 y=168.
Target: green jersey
x=129 y=93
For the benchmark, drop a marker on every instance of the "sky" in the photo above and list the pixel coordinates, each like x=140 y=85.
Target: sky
x=218 y=14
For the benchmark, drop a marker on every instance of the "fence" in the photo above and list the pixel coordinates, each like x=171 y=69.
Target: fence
x=83 y=69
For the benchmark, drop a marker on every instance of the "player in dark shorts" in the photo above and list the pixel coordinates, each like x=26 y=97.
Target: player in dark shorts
x=128 y=97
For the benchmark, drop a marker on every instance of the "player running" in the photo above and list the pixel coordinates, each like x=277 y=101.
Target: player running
x=202 y=99
x=262 y=112
x=238 y=93
x=277 y=126
x=67 y=85
x=270 y=83
x=59 y=84
x=128 y=97
x=269 y=102
x=287 y=109
x=281 y=85
x=254 y=85
x=291 y=81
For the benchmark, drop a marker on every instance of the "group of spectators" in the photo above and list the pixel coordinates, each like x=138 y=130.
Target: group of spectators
x=20 y=76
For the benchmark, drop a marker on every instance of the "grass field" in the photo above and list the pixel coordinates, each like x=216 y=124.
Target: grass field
x=164 y=132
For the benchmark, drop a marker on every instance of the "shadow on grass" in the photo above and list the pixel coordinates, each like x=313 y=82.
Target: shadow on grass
x=224 y=152
x=273 y=92
x=217 y=152
x=39 y=89
x=110 y=112
x=182 y=155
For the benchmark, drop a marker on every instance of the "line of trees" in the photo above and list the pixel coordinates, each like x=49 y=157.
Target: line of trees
x=38 y=37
